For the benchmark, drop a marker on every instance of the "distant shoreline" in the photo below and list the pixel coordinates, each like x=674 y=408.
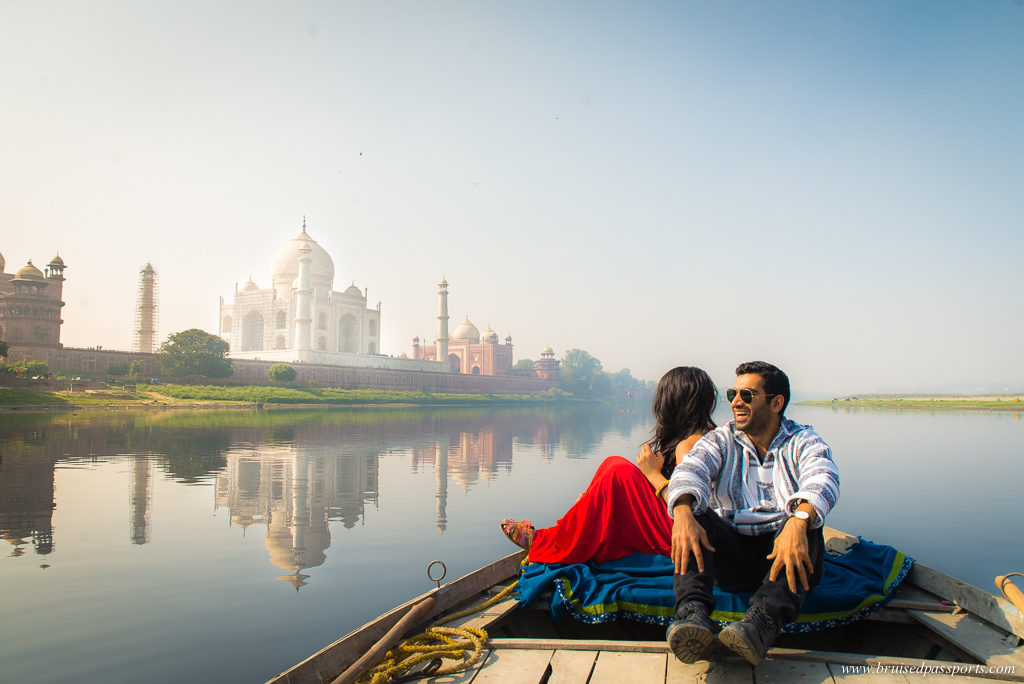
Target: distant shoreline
x=250 y=397
x=942 y=402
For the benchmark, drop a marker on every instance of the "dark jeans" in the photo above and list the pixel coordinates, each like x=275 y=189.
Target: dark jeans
x=739 y=563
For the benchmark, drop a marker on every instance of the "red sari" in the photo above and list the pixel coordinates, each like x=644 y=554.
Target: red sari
x=617 y=515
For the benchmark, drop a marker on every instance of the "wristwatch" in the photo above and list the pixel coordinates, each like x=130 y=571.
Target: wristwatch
x=802 y=515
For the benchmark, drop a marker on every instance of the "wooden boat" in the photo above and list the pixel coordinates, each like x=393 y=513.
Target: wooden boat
x=935 y=625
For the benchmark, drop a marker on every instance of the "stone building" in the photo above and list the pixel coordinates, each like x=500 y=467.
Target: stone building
x=30 y=307
x=300 y=312
x=465 y=350
x=470 y=353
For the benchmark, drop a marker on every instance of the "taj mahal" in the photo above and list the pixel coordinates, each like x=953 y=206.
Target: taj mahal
x=300 y=318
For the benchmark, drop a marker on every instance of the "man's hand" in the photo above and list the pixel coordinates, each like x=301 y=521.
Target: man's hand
x=790 y=553
x=687 y=537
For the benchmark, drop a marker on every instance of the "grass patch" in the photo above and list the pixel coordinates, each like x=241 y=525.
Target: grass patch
x=253 y=394
x=923 y=403
x=19 y=396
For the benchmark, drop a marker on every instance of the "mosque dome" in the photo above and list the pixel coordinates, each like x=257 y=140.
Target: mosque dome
x=57 y=261
x=353 y=290
x=286 y=264
x=30 y=272
x=490 y=336
x=547 y=351
x=250 y=287
x=466 y=331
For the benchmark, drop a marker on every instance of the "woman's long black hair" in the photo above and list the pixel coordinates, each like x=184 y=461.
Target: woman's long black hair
x=683 y=404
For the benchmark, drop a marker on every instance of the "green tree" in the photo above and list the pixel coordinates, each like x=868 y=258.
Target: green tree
x=577 y=372
x=117 y=369
x=523 y=364
x=624 y=380
x=136 y=368
x=601 y=385
x=194 y=352
x=30 y=369
x=4 y=348
x=281 y=372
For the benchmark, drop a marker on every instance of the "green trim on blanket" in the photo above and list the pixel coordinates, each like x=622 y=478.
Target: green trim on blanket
x=615 y=607
x=667 y=612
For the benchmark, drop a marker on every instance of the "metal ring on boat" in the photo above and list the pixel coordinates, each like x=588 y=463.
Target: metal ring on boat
x=444 y=571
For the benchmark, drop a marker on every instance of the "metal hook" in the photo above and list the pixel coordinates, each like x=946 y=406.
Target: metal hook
x=444 y=571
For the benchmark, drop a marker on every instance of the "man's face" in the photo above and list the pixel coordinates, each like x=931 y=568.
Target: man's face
x=757 y=415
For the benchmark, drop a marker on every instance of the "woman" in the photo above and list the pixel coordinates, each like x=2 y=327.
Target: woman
x=623 y=510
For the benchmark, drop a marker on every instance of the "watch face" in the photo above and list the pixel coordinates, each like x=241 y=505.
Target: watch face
x=803 y=515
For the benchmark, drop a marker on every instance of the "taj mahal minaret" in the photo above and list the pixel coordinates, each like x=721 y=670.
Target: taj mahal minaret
x=442 y=321
x=303 y=300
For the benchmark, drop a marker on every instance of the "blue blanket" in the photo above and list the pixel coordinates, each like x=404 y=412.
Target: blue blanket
x=639 y=587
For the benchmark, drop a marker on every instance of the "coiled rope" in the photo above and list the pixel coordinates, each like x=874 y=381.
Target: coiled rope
x=463 y=645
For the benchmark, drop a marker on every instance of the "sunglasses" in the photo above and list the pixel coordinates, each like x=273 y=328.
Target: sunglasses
x=746 y=395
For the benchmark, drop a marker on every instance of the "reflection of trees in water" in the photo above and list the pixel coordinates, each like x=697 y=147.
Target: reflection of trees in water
x=581 y=428
x=189 y=456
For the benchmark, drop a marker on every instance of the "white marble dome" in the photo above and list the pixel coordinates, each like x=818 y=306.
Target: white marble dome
x=286 y=264
x=467 y=331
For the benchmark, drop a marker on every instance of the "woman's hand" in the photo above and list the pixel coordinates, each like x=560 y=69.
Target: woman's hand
x=650 y=464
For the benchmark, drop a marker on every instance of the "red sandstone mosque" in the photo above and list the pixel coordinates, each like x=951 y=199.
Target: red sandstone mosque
x=470 y=353
x=30 y=304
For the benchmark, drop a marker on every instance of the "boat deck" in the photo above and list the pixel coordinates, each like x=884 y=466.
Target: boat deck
x=650 y=663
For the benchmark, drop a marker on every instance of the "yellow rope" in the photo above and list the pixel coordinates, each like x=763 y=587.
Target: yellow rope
x=464 y=645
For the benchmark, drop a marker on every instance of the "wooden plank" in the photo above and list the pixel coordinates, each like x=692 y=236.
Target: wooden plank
x=837 y=541
x=897 y=616
x=464 y=677
x=974 y=636
x=776 y=671
x=525 y=666
x=854 y=674
x=331 y=660
x=678 y=672
x=582 y=645
x=994 y=609
x=729 y=671
x=930 y=606
x=629 y=668
x=571 y=667
x=485 y=619
x=895 y=663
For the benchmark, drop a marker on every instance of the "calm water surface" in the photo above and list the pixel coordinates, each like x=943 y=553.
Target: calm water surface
x=226 y=546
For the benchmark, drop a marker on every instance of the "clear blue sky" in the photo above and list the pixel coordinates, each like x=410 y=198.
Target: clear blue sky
x=832 y=186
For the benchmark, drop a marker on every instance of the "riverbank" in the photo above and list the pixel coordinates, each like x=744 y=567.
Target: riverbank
x=212 y=396
x=988 y=402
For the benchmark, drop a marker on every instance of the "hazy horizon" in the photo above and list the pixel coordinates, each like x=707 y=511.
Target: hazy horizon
x=830 y=186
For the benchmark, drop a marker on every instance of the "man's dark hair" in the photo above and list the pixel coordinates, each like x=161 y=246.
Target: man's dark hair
x=775 y=381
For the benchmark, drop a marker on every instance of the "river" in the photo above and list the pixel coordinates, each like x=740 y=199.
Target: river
x=227 y=545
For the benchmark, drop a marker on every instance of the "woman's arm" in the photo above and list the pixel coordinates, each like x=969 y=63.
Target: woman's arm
x=651 y=462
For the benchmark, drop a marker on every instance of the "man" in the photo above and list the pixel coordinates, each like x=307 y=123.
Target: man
x=748 y=504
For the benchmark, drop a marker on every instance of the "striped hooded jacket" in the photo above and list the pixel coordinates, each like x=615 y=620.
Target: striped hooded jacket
x=714 y=471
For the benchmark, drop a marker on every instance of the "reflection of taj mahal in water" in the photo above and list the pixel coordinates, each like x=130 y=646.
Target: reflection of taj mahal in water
x=295 y=491
x=287 y=483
